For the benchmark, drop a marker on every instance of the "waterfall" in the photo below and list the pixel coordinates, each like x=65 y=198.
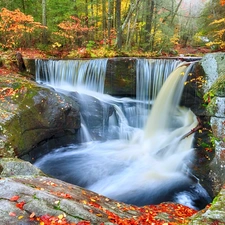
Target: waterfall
x=139 y=166
x=151 y=74
x=72 y=74
x=150 y=77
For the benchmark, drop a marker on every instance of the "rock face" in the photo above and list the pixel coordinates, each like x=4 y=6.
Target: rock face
x=95 y=114
x=214 y=88
x=121 y=77
x=25 y=191
x=215 y=214
x=31 y=114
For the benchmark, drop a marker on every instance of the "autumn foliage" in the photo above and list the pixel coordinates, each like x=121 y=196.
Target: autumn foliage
x=148 y=215
x=222 y=2
x=15 y=28
x=73 y=31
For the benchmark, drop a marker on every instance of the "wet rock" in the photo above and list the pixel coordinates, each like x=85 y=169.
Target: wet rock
x=215 y=214
x=31 y=113
x=95 y=114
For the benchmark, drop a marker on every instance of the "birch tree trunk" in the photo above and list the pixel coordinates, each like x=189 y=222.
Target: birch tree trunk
x=44 y=22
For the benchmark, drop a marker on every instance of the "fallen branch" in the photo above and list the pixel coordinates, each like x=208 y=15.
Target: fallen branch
x=198 y=127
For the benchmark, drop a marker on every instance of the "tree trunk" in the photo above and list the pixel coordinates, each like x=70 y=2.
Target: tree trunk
x=118 y=25
x=149 y=20
x=110 y=20
x=103 y=17
x=44 y=22
x=133 y=7
x=86 y=13
x=23 y=6
x=175 y=12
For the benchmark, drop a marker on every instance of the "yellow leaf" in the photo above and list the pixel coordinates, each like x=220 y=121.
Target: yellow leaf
x=60 y=216
x=20 y=217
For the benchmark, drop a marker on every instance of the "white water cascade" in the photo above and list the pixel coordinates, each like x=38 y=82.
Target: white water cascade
x=74 y=74
x=149 y=165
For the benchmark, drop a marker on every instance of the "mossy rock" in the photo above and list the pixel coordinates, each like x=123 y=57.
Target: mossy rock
x=30 y=114
x=11 y=167
x=218 y=88
x=215 y=214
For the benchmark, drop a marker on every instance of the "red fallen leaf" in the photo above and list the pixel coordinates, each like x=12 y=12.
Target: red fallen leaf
x=66 y=195
x=45 y=218
x=20 y=205
x=84 y=223
x=14 y=198
x=96 y=205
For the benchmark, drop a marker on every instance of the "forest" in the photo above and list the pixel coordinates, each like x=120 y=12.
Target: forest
x=108 y=28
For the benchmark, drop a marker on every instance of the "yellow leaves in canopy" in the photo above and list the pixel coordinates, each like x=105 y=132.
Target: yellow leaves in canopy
x=219 y=33
x=218 y=21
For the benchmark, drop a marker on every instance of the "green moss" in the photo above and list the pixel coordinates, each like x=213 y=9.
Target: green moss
x=218 y=88
x=212 y=107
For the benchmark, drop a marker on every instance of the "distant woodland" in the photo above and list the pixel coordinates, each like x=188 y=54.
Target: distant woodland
x=102 y=27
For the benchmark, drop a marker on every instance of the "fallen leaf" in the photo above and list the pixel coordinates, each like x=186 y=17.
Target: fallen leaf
x=60 y=216
x=20 y=205
x=32 y=215
x=20 y=217
x=12 y=214
x=14 y=198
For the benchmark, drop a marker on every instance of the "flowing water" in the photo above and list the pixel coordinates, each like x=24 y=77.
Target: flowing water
x=135 y=164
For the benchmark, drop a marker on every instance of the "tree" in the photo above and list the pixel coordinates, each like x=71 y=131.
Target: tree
x=73 y=31
x=44 y=21
x=14 y=25
x=118 y=25
x=212 y=26
x=150 y=4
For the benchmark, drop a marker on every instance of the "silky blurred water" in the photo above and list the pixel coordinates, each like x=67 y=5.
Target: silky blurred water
x=143 y=165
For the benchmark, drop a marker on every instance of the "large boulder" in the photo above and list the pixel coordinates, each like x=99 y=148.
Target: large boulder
x=214 y=214
x=214 y=89
x=31 y=114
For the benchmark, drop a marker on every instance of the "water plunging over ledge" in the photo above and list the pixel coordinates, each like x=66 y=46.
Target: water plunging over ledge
x=140 y=163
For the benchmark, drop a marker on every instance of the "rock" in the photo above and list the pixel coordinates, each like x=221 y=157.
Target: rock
x=17 y=167
x=95 y=114
x=214 y=87
x=215 y=214
x=31 y=114
x=26 y=195
x=214 y=67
